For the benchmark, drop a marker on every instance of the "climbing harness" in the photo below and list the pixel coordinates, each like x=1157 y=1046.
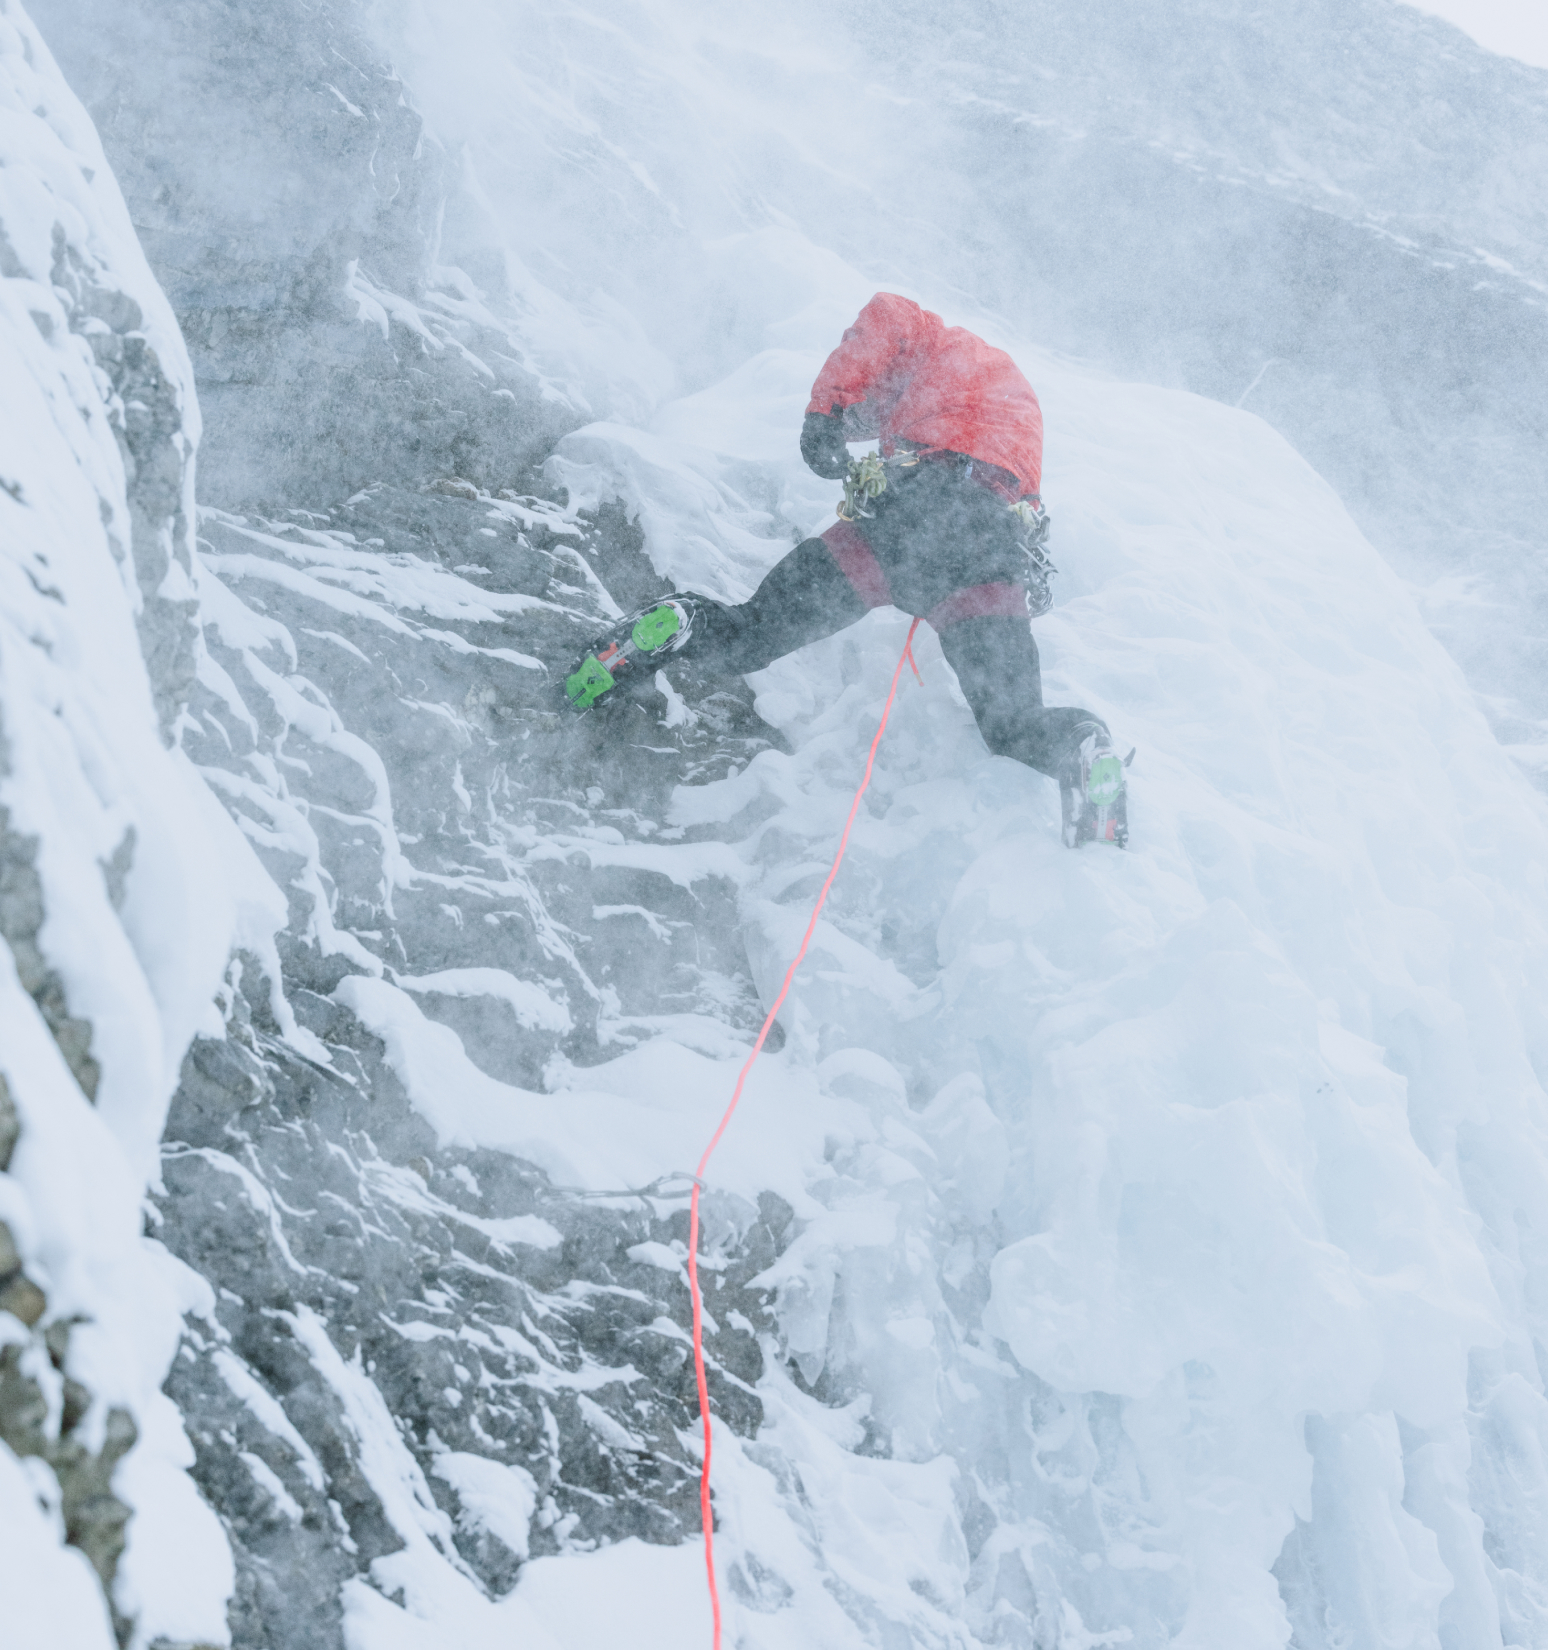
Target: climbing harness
x=706 y=1509
x=869 y=478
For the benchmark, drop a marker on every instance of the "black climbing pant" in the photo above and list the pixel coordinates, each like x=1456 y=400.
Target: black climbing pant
x=939 y=546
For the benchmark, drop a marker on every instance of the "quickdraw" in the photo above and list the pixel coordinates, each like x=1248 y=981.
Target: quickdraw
x=867 y=481
x=1033 y=530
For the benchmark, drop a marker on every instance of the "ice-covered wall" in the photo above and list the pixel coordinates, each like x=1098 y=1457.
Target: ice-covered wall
x=1136 y=1249
x=123 y=890
x=1192 y=1209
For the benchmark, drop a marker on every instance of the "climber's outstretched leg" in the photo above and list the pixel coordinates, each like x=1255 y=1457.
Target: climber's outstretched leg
x=803 y=598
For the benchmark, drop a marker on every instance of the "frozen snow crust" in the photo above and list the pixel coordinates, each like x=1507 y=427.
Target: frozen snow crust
x=1121 y=1249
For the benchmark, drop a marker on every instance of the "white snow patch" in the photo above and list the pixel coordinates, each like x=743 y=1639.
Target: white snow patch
x=622 y=1124
x=492 y=1496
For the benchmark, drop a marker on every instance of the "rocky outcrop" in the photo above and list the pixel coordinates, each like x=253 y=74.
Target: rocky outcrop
x=44 y=1408
x=21 y=922
x=156 y=431
x=92 y=1515
x=517 y=1349
x=377 y=711
x=290 y=199
x=522 y=1353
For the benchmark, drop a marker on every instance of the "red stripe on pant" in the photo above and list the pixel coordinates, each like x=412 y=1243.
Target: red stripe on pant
x=858 y=564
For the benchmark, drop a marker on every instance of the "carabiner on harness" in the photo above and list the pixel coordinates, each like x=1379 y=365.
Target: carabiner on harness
x=865 y=483
x=1032 y=530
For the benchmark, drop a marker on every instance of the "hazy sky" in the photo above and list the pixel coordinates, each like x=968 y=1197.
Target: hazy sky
x=1514 y=28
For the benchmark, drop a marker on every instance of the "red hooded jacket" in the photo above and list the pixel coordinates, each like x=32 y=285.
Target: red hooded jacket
x=909 y=377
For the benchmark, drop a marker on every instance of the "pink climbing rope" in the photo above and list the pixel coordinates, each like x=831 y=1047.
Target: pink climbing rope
x=705 y=1508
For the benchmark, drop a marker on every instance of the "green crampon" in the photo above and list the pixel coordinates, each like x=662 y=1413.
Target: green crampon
x=588 y=683
x=660 y=629
x=656 y=628
x=1104 y=784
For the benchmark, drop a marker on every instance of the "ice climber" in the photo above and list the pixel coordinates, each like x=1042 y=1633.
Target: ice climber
x=944 y=521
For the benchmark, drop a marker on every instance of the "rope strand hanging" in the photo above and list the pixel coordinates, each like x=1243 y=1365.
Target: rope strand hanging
x=705 y=1507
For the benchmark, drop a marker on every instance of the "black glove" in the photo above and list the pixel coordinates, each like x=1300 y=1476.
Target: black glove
x=822 y=444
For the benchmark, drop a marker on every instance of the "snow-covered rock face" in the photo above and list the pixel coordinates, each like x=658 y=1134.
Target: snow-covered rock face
x=122 y=889
x=285 y=191
x=1137 y=1249
x=478 y=901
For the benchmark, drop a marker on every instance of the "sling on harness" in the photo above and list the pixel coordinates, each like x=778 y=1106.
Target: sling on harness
x=867 y=481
